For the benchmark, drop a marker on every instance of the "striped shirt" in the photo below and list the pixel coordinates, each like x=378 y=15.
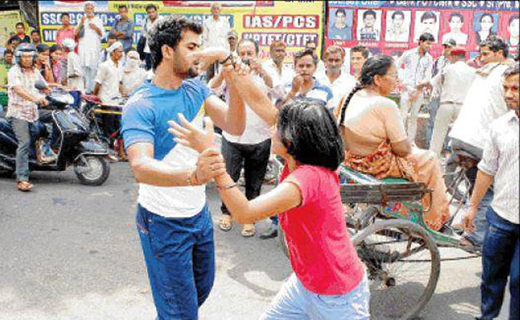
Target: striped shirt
x=500 y=160
x=318 y=92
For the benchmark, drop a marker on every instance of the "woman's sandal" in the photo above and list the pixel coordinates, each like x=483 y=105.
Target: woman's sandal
x=24 y=186
x=225 y=223
x=248 y=230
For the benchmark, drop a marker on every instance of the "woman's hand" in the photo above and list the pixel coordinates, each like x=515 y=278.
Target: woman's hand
x=192 y=137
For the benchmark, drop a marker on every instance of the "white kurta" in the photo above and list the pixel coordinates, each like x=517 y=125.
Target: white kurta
x=89 y=46
x=215 y=32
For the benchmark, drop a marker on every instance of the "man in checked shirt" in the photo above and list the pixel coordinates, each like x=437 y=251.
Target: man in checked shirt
x=499 y=166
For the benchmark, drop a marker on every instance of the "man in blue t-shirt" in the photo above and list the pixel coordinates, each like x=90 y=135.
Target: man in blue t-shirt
x=173 y=220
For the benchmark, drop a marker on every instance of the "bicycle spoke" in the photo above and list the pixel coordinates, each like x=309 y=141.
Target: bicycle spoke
x=397 y=285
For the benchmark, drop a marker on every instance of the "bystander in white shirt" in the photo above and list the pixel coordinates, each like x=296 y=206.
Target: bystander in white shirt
x=89 y=45
x=453 y=83
x=340 y=87
x=484 y=103
x=74 y=72
x=417 y=69
x=109 y=77
x=256 y=130
x=280 y=79
x=500 y=160
x=215 y=32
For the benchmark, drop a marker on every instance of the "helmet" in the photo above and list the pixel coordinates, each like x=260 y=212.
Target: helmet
x=23 y=48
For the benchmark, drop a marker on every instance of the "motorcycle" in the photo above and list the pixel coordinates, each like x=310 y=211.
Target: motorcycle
x=76 y=145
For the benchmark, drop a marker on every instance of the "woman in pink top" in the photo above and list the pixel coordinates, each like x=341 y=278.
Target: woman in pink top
x=67 y=31
x=329 y=281
x=56 y=54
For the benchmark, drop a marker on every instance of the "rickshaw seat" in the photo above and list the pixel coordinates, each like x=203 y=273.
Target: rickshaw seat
x=357 y=187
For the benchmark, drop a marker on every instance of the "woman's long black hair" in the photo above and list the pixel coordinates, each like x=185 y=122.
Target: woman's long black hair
x=377 y=65
x=309 y=133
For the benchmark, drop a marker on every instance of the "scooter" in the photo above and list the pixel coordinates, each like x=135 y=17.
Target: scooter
x=76 y=145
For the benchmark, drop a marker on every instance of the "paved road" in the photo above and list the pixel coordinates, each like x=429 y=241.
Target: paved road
x=70 y=252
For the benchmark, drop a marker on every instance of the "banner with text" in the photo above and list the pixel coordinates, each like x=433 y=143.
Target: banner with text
x=295 y=22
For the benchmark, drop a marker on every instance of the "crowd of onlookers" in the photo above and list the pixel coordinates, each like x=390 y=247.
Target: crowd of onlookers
x=78 y=61
x=460 y=95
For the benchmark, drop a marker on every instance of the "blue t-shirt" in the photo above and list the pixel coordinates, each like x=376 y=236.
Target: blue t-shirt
x=145 y=119
x=147 y=112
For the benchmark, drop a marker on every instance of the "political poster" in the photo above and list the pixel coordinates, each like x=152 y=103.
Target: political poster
x=296 y=23
x=391 y=27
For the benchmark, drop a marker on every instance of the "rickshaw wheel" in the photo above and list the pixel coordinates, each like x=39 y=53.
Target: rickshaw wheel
x=403 y=267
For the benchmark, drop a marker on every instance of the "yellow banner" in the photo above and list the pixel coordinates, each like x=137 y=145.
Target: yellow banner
x=295 y=22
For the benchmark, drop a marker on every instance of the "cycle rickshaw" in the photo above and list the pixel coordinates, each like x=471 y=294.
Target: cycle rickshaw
x=400 y=252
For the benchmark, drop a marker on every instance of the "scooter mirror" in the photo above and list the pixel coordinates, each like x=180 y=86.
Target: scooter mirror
x=40 y=85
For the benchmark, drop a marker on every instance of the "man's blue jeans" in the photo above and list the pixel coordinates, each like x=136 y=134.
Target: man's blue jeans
x=500 y=260
x=180 y=258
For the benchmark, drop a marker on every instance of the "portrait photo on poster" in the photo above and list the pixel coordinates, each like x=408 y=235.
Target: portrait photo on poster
x=369 y=25
x=426 y=21
x=340 y=24
x=484 y=25
x=455 y=26
x=398 y=24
